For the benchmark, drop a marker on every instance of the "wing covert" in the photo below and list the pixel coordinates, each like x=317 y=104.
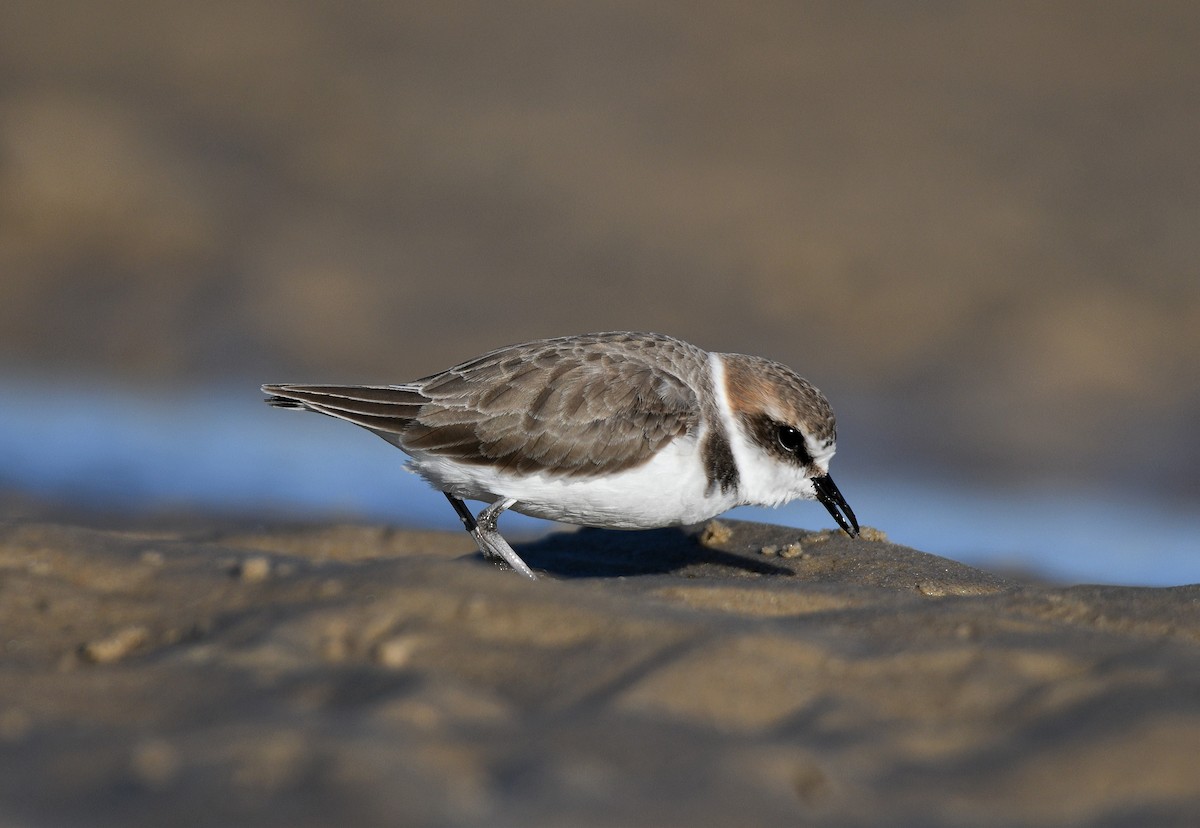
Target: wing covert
x=578 y=413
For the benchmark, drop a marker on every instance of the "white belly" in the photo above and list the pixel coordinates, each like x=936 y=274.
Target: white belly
x=669 y=490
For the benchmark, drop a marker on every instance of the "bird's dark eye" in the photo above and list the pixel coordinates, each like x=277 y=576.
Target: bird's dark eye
x=791 y=439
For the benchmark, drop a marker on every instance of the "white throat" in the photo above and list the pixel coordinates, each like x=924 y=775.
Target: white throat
x=763 y=480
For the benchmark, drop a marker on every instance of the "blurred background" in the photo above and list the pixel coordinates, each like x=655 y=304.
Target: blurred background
x=975 y=226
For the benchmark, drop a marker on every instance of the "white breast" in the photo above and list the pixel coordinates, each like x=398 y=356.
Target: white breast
x=669 y=490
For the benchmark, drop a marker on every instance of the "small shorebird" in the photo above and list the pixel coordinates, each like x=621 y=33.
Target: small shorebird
x=619 y=430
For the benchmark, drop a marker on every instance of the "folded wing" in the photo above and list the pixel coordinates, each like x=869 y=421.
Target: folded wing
x=566 y=411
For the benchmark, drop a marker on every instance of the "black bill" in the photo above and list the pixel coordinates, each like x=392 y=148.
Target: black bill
x=831 y=499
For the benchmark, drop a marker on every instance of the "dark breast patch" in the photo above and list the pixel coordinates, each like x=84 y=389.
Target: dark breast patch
x=719 y=465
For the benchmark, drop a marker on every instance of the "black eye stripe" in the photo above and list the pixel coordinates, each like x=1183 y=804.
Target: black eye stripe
x=785 y=441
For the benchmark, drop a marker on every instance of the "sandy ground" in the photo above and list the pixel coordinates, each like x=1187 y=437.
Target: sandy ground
x=730 y=674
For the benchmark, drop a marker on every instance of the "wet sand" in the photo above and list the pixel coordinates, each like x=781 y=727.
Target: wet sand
x=727 y=674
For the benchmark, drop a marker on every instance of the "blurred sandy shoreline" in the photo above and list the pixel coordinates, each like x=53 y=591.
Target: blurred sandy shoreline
x=972 y=226
x=734 y=673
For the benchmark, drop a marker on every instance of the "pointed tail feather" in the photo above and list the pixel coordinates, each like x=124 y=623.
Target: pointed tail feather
x=381 y=408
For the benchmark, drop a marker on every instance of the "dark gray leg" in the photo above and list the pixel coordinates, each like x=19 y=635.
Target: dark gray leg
x=464 y=514
x=483 y=530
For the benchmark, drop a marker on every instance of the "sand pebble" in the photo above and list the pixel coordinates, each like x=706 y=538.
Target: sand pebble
x=792 y=550
x=396 y=652
x=253 y=570
x=715 y=533
x=116 y=646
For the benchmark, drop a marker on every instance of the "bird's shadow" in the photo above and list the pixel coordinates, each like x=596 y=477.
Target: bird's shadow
x=606 y=553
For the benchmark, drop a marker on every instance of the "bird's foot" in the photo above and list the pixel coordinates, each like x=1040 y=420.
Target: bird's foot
x=496 y=549
x=483 y=529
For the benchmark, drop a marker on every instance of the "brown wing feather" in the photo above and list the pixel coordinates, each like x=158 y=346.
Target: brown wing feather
x=563 y=408
x=578 y=406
